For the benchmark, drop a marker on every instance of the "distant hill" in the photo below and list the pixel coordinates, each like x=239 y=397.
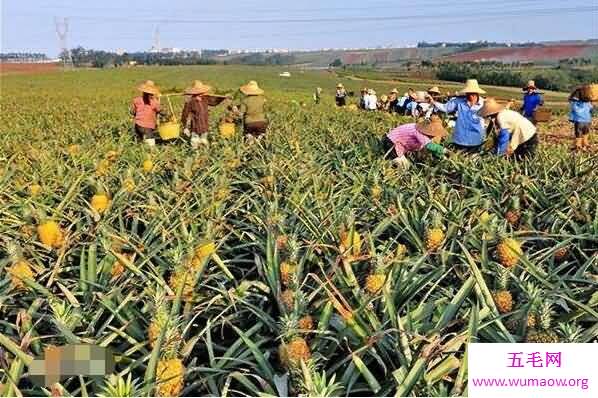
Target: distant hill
x=542 y=53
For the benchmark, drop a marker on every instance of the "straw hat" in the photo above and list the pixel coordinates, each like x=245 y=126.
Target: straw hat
x=371 y=91
x=432 y=127
x=364 y=90
x=421 y=96
x=472 y=87
x=384 y=98
x=530 y=84
x=251 y=88
x=491 y=107
x=434 y=90
x=149 y=87
x=340 y=85
x=394 y=91
x=197 y=87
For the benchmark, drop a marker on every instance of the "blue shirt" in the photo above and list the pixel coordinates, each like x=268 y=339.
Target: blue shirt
x=469 y=129
x=581 y=111
x=531 y=102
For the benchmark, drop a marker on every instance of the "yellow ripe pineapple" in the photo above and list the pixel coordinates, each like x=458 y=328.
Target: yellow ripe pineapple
x=129 y=184
x=170 y=374
x=34 y=189
x=400 y=252
x=100 y=202
x=111 y=156
x=306 y=323
x=148 y=165
x=183 y=277
x=18 y=272
x=513 y=215
x=205 y=250
x=50 y=234
x=434 y=235
x=376 y=192
x=509 y=251
x=287 y=272
x=485 y=217
x=374 y=283
x=293 y=353
x=350 y=240
x=288 y=299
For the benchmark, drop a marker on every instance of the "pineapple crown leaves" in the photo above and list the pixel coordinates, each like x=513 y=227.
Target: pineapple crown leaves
x=118 y=386
x=288 y=326
x=503 y=276
x=293 y=247
x=546 y=312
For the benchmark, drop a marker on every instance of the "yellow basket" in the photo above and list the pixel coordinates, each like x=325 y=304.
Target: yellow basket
x=227 y=130
x=169 y=130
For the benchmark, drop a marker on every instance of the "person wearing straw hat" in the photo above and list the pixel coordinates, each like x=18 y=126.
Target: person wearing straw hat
x=196 y=113
x=393 y=100
x=517 y=136
x=414 y=137
x=371 y=100
x=532 y=99
x=383 y=103
x=145 y=110
x=581 y=116
x=362 y=97
x=252 y=106
x=469 y=133
x=434 y=92
x=340 y=95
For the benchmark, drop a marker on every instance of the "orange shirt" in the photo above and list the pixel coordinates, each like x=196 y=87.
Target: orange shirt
x=145 y=114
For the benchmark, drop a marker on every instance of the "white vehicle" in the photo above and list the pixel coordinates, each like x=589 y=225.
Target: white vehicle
x=285 y=74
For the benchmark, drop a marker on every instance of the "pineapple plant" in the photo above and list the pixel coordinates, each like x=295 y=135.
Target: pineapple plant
x=287 y=297
x=434 y=235
x=502 y=297
x=508 y=252
x=350 y=242
x=544 y=334
x=294 y=352
x=288 y=269
x=147 y=165
x=50 y=234
x=20 y=270
x=374 y=282
x=513 y=215
x=305 y=323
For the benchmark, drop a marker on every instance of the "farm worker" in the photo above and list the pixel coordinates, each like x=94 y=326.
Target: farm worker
x=404 y=101
x=393 y=100
x=532 y=99
x=195 y=112
x=434 y=92
x=318 y=95
x=362 y=97
x=371 y=100
x=516 y=136
x=421 y=106
x=469 y=131
x=341 y=95
x=144 y=110
x=415 y=137
x=581 y=117
x=383 y=103
x=252 y=109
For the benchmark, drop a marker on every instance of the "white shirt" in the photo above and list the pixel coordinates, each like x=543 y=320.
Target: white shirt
x=371 y=102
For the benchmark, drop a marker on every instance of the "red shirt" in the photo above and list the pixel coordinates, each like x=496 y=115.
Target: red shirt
x=145 y=114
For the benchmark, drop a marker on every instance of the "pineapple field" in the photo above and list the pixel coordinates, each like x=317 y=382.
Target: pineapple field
x=302 y=264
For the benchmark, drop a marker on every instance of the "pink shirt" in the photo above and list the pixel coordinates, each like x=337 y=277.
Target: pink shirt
x=145 y=114
x=407 y=139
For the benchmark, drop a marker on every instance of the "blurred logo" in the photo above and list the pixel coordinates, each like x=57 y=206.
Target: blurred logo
x=59 y=363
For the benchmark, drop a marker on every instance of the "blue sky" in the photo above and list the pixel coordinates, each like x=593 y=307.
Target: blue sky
x=305 y=24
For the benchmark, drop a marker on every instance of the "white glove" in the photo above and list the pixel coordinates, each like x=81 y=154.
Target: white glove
x=186 y=132
x=402 y=162
x=150 y=142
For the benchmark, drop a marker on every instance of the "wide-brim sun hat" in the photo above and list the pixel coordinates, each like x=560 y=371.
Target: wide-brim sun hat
x=434 y=90
x=251 y=88
x=197 y=88
x=149 y=87
x=432 y=127
x=421 y=96
x=384 y=98
x=491 y=107
x=472 y=87
x=394 y=91
x=340 y=85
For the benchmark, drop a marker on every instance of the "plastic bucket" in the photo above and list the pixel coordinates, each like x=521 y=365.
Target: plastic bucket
x=169 y=130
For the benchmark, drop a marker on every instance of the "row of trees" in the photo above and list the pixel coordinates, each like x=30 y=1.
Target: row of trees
x=558 y=79
x=101 y=59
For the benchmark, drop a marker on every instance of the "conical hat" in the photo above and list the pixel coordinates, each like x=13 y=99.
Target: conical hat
x=340 y=85
x=149 y=87
x=251 y=88
x=491 y=107
x=472 y=87
x=421 y=96
x=384 y=98
x=432 y=127
x=530 y=84
x=394 y=91
x=434 y=90
x=197 y=87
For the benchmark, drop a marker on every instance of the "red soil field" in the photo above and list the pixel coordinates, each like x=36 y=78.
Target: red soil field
x=27 y=68
x=528 y=54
